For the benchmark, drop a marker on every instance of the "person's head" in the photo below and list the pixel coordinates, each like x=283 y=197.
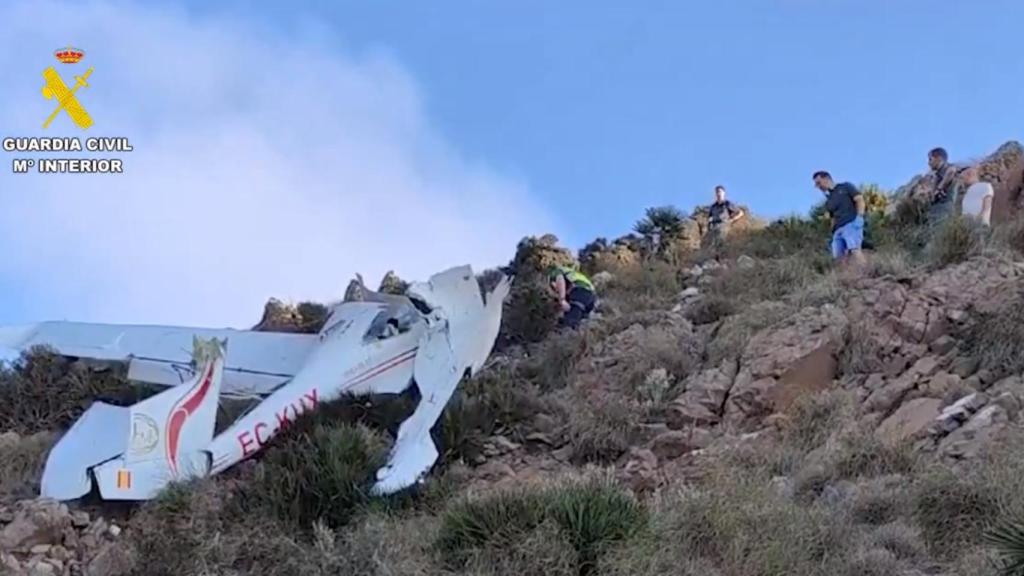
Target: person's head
x=971 y=175
x=823 y=180
x=719 y=193
x=937 y=157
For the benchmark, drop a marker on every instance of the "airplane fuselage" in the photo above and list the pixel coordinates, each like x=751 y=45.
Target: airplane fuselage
x=345 y=362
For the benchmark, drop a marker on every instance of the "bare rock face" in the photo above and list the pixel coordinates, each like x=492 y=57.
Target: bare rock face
x=702 y=402
x=602 y=256
x=35 y=523
x=307 y=317
x=43 y=537
x=779 y=366
x=910 y=421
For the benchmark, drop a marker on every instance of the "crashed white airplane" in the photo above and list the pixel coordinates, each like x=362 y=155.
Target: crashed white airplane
x=440 y=332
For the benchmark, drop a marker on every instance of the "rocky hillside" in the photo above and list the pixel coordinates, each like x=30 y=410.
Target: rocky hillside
x=743 y=411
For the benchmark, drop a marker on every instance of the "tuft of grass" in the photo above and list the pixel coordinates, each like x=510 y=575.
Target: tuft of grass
x=593 y=515
x=861 y=353
x=590 y=515
x=710 y=309
x=601 y=429
x=996 y=339
x=955 y=241
x=1010 y=235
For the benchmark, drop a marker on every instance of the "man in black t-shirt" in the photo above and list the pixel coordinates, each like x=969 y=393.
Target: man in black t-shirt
x=721 y=215
x=845 y=205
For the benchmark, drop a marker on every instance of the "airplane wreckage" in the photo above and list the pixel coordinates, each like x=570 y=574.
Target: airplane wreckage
x=439 y=332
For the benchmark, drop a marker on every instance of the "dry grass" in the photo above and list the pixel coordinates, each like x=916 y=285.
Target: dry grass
x=955 y=241
x=861 y=353
x=45 y=392
x=996 y=339
x=601 y=428
x=731 y=337
x=651 y=285
x=21 y=464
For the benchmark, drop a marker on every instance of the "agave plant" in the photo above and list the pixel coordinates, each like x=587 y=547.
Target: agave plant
x=1006 y=536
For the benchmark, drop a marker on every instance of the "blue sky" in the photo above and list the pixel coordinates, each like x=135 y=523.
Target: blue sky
x=497 y=119
x=616 y=106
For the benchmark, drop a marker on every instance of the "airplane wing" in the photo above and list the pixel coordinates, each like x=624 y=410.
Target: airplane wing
x=56 y=85
x=256 y=364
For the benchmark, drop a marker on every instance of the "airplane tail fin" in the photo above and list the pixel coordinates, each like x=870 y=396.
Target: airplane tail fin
x=160 y=440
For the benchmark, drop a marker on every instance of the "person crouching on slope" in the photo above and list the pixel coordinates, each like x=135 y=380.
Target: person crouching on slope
x=845 y=205
x=576 y=295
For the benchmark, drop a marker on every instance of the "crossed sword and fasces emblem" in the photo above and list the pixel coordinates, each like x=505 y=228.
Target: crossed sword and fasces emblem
x=55 y=88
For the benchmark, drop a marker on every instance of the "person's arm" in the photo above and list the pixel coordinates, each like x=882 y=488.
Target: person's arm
x=739 y=215
x=560 y=288
x=942 y=185
x=858 y=200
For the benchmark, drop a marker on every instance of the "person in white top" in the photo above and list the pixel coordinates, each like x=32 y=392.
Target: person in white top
x=978 y=197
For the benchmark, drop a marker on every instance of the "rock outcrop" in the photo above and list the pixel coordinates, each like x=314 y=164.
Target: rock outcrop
x=44 y=538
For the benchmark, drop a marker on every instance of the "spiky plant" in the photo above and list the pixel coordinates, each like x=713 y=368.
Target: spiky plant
x=665 y=221
x=1006 y=536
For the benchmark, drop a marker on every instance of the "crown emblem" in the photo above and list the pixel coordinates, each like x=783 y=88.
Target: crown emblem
x=69 y=55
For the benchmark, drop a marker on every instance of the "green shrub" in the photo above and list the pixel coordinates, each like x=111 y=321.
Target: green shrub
x=316 y=472
x=530 y=313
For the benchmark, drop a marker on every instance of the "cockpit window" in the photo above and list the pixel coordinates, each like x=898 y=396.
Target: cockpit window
x=390 y=322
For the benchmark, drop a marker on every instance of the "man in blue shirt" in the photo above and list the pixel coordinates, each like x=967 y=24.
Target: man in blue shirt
x=845 y=204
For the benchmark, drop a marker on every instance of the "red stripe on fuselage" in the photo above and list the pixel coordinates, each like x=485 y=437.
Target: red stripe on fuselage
x=179 y=414
x=380 y=368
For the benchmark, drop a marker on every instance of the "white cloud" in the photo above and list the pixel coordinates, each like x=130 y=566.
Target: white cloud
x=264 y=165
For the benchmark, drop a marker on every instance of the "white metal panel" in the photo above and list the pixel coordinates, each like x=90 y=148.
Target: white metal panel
x=270 y=353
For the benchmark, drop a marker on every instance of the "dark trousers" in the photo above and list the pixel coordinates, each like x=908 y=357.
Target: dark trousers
x=581 y=304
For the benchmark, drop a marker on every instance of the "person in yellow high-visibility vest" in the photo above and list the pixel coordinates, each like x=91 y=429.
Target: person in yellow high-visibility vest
x=576 y=294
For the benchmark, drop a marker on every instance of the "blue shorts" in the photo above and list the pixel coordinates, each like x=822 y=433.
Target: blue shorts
x=848 y=237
